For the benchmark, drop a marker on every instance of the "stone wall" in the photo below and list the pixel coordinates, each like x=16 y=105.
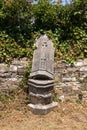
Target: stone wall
x=10 y=76
x=71 y=79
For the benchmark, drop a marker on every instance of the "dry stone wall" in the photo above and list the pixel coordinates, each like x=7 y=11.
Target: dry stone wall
x=10 y=76
x=70 y=79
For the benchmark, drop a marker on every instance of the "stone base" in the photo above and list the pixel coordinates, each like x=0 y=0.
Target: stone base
x=42 y=109
x=40 y=98
x=40 y=86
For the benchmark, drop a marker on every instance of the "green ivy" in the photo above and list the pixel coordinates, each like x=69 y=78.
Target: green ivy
x=21 y=22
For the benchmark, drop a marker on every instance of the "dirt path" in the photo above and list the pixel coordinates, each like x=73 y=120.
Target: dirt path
x=67 y=116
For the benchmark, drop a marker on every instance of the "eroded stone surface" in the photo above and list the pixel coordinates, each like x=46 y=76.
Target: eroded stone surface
x=43 y=59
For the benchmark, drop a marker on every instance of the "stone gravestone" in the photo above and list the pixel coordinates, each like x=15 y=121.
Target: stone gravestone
x=41 y=83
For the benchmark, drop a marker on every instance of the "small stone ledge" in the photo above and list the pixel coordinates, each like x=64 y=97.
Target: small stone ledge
x=42 y=109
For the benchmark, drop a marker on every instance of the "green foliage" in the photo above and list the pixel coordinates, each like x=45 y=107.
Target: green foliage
x=17 y=21
x=9 y=49
x=21 y=22
x=45 y=15
x=71 y=36
x=27 y=100
x=2 y=15
x=8 y=96
x=80 y=97
x=23 y=83
x=84 y=80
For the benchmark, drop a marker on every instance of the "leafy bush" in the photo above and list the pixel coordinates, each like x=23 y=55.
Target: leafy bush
x=9 y=49
x=17 y=21
x=44 y=15
x=21 y=21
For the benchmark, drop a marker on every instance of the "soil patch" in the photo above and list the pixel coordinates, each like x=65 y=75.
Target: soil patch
x=16 y=115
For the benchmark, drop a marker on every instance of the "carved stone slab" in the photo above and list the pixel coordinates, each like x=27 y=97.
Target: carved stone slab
x=43 y=59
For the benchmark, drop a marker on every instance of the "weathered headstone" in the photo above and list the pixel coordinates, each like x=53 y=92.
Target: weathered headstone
x=43 y=58
x=41 y=83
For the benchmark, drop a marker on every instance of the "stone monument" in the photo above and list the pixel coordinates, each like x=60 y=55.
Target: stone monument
x=41 y=82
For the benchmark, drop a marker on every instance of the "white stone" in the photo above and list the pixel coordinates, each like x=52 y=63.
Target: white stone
x=69 y=79
x=60 y=85
x=13 y=79
x=84 y=68
x=62 y=98
x=13 y=68
x=79 y=63
x=85 y=61
x=20 y=67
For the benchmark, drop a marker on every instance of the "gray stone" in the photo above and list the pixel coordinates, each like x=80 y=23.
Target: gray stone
x=9 y=78
x=42 y=109
x=84 y=87
x=79 y=63
x=61 y=64
x=69 y=79
x=61 y=98
x=84 y=68
x=41 y=84
x=12 y=79
x=4 y=68
x=21 y=70
x=83 y=74
x=13 y=68
x=43 y=59
x=40 y=98
x=5 y=75
x=60 y=85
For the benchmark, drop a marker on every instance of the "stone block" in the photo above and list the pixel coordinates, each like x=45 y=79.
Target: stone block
x=5 y=75
x=42 y=109
x=13 y=68
x=69 y=79
x=79 y=63
x=83 y=69
x=43 y=99
x=85 y=61
x=21 y=62
x=41 y=86
x=4 y=68
x=20 y=70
